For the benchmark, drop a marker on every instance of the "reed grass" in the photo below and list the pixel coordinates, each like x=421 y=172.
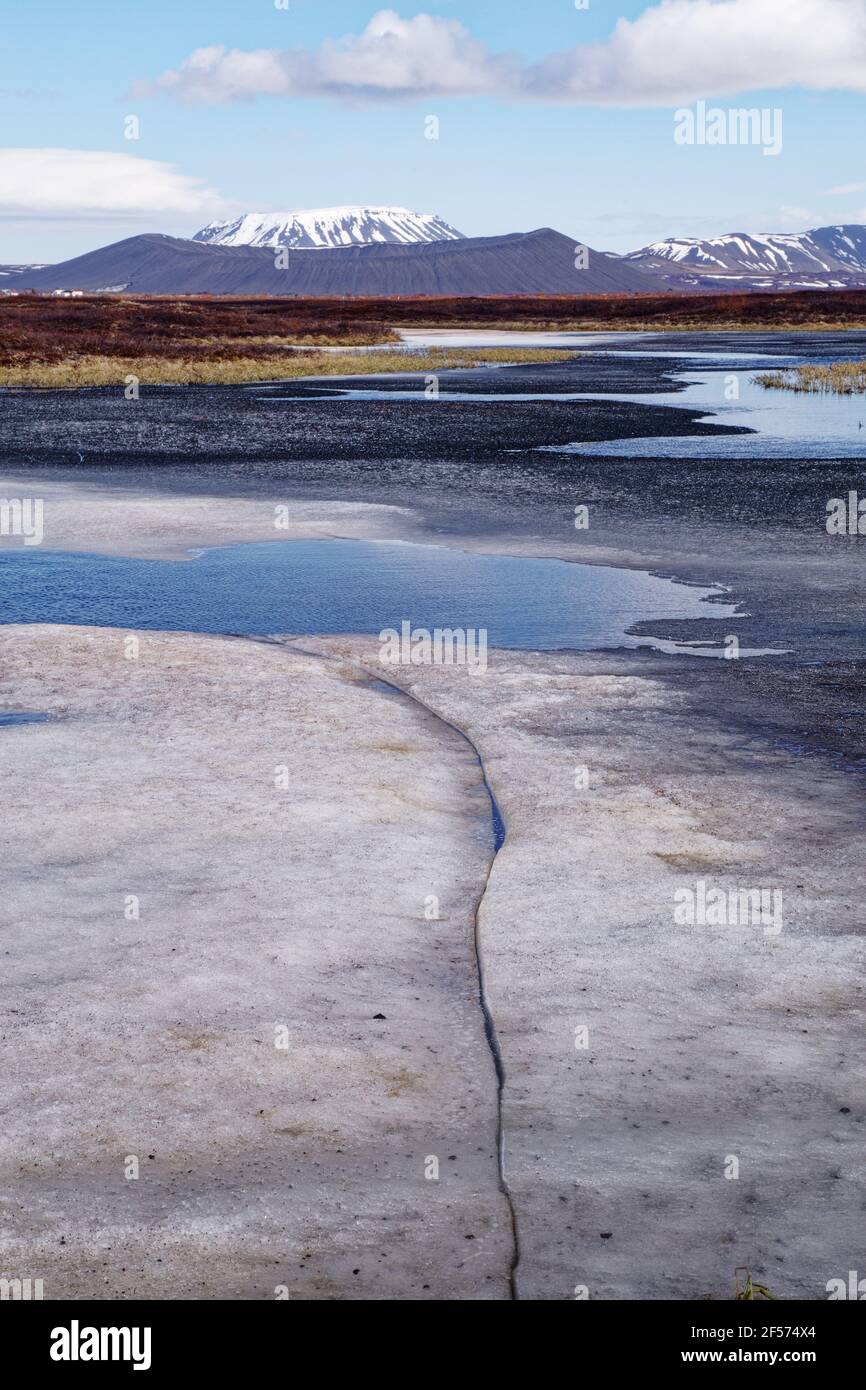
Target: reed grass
x=839 y=378
x=94 y=370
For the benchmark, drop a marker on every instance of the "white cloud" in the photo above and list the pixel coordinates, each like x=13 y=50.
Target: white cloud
x=83 y=184
x=674 y=52
x=393 y=57
x=843 y=189
x=682 y=50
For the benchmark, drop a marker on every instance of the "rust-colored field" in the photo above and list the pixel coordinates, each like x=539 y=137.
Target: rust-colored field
x=45 y=329
x=802 y=309
x=54 y=341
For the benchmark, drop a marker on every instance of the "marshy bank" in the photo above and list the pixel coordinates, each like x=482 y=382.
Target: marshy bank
x=841 y=378
x=240 y=363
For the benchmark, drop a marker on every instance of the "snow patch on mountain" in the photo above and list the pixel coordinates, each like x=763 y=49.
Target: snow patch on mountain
x=6 y=270
x=315 y=228
x=822 y=250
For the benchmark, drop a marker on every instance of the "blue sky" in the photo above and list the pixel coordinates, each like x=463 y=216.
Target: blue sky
x=582 y=143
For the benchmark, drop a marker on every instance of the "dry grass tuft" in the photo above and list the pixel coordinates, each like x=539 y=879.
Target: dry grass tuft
x=841 y=378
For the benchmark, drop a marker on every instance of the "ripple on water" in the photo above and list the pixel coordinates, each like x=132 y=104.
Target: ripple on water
x=346 y=586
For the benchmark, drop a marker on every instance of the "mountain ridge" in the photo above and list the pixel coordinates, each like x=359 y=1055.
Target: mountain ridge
x=318 y=228
x=837 y=251
x=539 y=262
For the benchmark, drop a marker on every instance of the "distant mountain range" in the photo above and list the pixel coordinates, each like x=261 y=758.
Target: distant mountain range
x=825 y=258
x=393 y=251
x=321 y=227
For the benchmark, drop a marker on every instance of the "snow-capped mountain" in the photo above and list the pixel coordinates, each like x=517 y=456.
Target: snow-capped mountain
x=316 y=228
x=825 y=251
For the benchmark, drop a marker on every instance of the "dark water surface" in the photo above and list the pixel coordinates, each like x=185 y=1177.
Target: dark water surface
x=335 y=586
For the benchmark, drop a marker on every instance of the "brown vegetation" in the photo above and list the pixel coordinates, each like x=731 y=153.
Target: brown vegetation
x=99 y=370
x=47 y=340
x=840 y=378
x=802 y=309
x=40 y=328
x=43 y=328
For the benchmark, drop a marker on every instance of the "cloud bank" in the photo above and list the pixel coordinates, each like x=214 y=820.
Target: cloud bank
x=392 y=58
x=85 y=184
x=674 y=53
